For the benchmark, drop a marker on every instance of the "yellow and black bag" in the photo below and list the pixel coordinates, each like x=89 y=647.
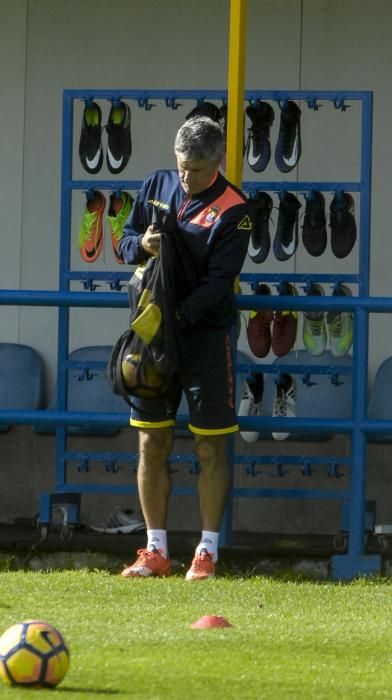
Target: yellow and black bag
x=144 y=358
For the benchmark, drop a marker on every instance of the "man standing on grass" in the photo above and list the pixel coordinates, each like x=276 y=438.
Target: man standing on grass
x=214 y=220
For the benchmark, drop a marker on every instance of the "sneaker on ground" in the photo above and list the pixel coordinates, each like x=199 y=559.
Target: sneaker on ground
x=340 y=325
x=314 y=229
x=284 y=327
x=288 y=146
x=250 y=404
x=286 y=236
x=90 y=229
x=120 y=522
x=90 y=146
x=343 y=226
x=314 y=331
x=259 y=326
x=258 y=146
x=119 y=137
x=149 y=563
x=260 y=242
x=119 y=209
x=202 y=567
x=284 y=405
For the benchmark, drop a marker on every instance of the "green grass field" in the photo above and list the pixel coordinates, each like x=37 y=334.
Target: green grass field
x=132 y=639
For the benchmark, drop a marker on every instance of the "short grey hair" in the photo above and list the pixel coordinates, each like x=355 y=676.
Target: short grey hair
x=200 y=138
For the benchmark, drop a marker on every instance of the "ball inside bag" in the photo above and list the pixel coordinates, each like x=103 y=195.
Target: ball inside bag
x=33 y=653
x=141 y=379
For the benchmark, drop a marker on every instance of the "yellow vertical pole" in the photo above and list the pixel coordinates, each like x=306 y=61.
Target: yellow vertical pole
x=236 y=86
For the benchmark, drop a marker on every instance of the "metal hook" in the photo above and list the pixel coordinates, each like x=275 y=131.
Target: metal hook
x=307 y=286
x=279 y=470
x=85 y=373
x=335 y=378
x=312 y=103
x=84 y=465
x=282 y=191
x=195 y=468
x=308 y=195
x=116 y=101
x=339 y=103
x=115 y=283
x=306 y=379
x=307 y=468
x=171 y=102
x=283 y=288
x=252 y=471
x=339 y=193
x=134 y=461
x=111 y=465
x=336 y=288
x=88 y=283
x=143 y=102
x=172 y=470
x=333 y=469
x=90 y=194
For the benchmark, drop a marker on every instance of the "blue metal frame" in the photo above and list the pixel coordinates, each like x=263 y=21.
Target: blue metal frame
x=358 y=426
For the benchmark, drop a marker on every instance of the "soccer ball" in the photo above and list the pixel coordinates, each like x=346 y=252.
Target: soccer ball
x=141 y=378
x=33 y=653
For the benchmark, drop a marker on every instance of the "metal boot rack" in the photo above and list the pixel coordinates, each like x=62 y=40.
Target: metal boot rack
x=67 y=495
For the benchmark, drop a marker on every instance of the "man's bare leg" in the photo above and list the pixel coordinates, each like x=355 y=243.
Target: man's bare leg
x=153 y=476
x=214 y=480
x=154 y=485
x=213 y=487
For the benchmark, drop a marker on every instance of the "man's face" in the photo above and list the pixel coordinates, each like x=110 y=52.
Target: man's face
x=195 y=175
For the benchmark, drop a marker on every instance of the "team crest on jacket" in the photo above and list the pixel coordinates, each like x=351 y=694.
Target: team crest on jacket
x=212 y=214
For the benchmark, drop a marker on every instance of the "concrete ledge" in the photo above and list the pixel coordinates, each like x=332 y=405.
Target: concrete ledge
x=250 y=553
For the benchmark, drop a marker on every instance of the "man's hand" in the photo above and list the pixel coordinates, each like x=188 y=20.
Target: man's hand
x=151 y=240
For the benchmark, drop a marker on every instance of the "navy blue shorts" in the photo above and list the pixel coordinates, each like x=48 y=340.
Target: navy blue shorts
x=206 y=376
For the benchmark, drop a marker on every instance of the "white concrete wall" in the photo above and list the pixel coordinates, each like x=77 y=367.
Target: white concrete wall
x=47 y=46
x=12 y=110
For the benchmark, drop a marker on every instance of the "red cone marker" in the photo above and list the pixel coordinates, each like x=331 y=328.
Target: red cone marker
x=211 y=621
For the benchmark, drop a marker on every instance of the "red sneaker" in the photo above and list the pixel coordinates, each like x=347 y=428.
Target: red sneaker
x=284 y=332
x=284 y=327
x=202 y=567
x=259 y=326
x=148 y=563
x=91 y=229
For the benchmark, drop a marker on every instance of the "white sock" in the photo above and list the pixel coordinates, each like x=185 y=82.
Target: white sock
x=209 y=541
x=157 y=539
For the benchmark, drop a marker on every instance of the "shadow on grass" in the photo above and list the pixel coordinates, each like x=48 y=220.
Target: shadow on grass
x=96 y=691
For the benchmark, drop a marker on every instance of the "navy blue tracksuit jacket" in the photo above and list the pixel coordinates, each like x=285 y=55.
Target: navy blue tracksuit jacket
x=215 y=226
